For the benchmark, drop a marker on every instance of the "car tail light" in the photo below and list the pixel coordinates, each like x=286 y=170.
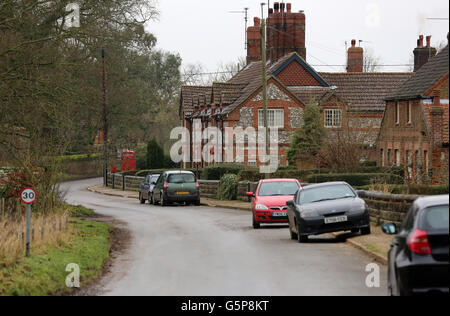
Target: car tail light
x=166 y=185
x=197 y=185
x=418 y=243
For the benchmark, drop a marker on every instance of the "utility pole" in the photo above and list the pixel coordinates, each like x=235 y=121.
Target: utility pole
x=105 y=123
x=264 y=86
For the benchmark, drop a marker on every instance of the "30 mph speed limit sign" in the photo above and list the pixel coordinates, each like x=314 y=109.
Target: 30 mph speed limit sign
x=28 y=196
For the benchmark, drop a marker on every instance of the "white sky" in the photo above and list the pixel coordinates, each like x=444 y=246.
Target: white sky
x=203 y=31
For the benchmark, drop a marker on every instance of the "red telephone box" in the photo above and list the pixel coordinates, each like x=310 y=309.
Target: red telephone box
x=128 y=161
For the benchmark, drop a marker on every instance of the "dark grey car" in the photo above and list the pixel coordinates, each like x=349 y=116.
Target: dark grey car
x=326 y=208
x=146 y=188
x=418 y=259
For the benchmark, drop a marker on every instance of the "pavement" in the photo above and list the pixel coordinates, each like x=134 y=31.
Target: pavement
x=375 y=245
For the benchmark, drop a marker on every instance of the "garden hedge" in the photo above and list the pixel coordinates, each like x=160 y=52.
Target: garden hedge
x=216 y=172
x=356 y=179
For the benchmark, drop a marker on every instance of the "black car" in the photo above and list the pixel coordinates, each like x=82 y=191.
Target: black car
x=177 y=187
x=146 y=188
x=326 y=208
x=418 y=259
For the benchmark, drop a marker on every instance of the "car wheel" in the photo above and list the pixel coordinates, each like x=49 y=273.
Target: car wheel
x=141 y=199
x=301 y=239
x=293 y=235
x=197 y=203
x=163 y=201
x=365 y=231
x=256 y=225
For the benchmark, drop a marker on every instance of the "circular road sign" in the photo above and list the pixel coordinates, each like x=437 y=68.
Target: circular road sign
x=28 y=196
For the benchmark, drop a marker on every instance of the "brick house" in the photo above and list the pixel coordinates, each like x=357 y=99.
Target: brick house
x=415 y=128
x=353 y=99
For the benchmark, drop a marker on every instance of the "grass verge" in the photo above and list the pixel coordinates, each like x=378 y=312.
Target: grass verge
x=44 y=273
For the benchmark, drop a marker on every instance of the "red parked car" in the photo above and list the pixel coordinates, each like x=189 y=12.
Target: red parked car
x=269 y=201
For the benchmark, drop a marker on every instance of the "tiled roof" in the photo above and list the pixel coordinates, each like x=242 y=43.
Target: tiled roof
x=187 y=94
x=231 y=92
x=309 y=94
x=427 y=76
x=248 y=74
x=366 y=92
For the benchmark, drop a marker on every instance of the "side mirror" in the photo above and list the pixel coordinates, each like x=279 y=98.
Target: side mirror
x=250 y=194
x=390 y=229
x=361 y=193
x=290 y=203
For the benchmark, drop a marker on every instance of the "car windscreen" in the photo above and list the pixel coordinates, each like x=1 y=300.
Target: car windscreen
x=436 y=218
x=181 y=178
x=154 y=178
x=278 y=188
x=326 y=193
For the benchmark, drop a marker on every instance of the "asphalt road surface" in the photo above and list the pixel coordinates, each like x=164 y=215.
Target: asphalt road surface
x=203 y=251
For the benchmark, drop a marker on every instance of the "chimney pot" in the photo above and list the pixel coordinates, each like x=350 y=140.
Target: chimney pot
x=421 y=41
x=282 y=6
x=429 y=41
x=289 y=7
x=353 y=43
x=276 y=7
x=257 y=22
x=270 y=11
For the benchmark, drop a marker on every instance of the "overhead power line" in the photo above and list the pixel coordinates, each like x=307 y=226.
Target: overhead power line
x=322 y=65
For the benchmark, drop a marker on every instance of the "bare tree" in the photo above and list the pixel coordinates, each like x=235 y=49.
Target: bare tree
x=371 y=61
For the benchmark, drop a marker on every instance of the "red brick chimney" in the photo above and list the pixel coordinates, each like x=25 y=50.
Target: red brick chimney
x=254 y=41
x=286 y=32
x=355 y=61
x=423 y=54
x=437 y=113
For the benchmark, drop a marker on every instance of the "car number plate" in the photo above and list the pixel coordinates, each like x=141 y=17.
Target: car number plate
x=182 y=193
x=279 y=214
x=334 y=220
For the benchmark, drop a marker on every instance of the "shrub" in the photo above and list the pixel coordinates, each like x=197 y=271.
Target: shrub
x=155 y=155
x=356 y=179
x=301 y=175
x=218 y=171
x=228 y=187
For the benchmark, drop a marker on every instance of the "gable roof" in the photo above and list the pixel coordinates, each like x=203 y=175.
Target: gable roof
x=284 y=62
x=252 y=88
x=366 y=92
x=425 y=78
x=309 y=94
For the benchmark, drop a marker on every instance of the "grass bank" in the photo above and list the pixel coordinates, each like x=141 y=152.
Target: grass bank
x=44 y=272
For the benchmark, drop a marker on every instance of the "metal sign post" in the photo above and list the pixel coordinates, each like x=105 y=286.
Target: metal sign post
x=28 y=196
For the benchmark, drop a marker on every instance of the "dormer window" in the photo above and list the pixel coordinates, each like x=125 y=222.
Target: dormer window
x=333 y=118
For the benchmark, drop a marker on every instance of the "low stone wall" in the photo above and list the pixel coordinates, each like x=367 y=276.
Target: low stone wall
x=116 y=181
x=388 y=207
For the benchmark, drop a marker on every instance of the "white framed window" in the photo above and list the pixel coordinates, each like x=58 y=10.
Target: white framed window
x=397 y=113
x=252 y=163
x=333 y=118
x=398 y=162
x=409 y=112
x=275 y=118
